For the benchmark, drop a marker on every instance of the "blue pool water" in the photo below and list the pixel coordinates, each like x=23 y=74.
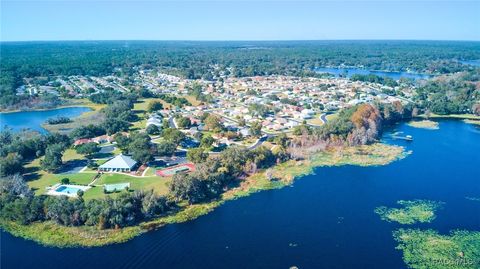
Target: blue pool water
x=68 y=190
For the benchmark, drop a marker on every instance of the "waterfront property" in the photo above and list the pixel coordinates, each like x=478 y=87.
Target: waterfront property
x=338 y=199
x=120 y=163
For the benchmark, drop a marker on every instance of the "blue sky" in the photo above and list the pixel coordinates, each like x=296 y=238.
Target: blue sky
x=239 y=20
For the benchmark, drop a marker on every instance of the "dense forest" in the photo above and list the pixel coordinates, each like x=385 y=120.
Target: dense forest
x=453 y=94
x=209 y=59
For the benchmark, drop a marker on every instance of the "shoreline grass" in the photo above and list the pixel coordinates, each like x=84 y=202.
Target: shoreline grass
x=93 y=116
x=71 y=103
x=451 y=116
x=475 y=122
x=284 y=174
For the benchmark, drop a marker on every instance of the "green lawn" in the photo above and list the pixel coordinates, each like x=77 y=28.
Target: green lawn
x=158 y=184
x=48 y=179
x=330 y=117
x=38 y=179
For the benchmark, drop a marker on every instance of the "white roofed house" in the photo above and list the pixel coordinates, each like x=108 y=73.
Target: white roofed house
x=154 y=120
x=120 y=163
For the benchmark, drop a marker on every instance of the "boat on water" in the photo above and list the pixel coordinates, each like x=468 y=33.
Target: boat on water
x=407 y=137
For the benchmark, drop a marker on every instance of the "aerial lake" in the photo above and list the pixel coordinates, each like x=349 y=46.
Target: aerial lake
x=325 y=220
x=471 y=62
x=357 y=71
x=34 y=119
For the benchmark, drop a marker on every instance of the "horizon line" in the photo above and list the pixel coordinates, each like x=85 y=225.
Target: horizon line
x=235 y=40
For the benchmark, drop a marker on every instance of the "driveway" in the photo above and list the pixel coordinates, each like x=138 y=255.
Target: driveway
x=73 y=167
x=107 y=149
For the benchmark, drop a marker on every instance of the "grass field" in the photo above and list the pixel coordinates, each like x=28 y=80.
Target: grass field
x=39 y=179
x=315 y=120
x=192 y=100
x=158 y=184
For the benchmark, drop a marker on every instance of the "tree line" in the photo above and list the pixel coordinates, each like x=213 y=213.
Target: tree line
x=211 y=60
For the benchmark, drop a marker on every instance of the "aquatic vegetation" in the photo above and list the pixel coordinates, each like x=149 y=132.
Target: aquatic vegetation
x=476 y=199
x=427 y=249
x=51 y=234
x=424 y=124
x=475 y=122
x=412 y=211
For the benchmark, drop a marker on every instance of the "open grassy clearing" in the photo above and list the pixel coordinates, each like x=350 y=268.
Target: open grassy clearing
x=315 y=120
x=39 y=179
x=158 y=184
x=192 y=100
x=330 y=117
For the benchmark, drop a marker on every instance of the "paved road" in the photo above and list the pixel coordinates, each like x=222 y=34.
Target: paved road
x=258 y=142
x=323 y=117
x=171 y=122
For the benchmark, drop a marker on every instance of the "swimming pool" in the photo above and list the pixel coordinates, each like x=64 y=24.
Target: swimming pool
x=67 y=190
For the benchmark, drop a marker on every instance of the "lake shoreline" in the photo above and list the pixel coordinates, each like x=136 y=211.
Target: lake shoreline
x=54 y=235
x=338 y=71
x=74 y=103
x=78 y=111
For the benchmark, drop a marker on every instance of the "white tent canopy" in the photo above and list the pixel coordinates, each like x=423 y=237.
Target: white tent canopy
x=120 y=163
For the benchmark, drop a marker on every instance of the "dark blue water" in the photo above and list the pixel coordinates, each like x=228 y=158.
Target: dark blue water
x=324 y=220
x=34 y=119
x=357 y=71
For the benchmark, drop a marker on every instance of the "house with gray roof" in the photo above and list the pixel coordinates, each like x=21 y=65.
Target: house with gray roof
x=120 y=163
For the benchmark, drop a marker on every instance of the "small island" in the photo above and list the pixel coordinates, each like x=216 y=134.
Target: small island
x=416 y=211
x=425 y=124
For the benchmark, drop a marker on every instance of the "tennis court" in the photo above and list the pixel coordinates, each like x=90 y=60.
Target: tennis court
x=181 y=168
